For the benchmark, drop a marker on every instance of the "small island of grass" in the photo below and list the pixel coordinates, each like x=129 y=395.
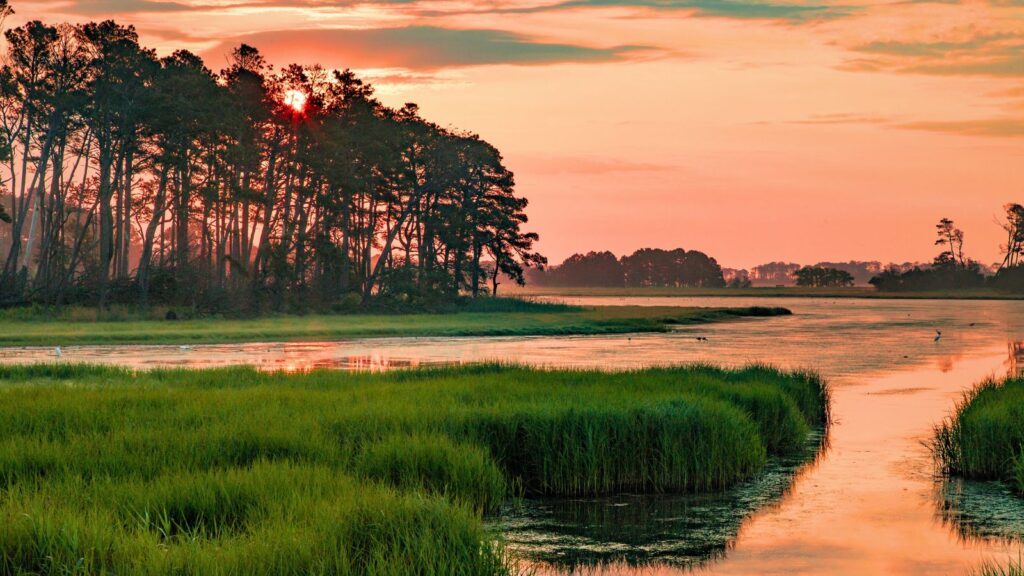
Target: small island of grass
x=984 y=440
x=484 y=317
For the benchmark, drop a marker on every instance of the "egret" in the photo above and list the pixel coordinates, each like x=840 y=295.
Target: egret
x=57 y=352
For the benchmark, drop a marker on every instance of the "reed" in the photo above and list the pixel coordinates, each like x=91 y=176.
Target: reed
x=234 y=471
x=984 y=438
x=1014 y=568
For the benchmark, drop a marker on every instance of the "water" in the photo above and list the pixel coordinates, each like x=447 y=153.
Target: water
x=869 y=504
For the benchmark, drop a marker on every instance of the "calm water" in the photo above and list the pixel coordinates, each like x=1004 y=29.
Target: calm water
x=868 y=504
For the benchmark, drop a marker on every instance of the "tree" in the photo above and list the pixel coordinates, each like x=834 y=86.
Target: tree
x=590 y=269
x=1014 y=227
x=677 y=268
x=951 y=239
x=133 y=179
x=820 y=277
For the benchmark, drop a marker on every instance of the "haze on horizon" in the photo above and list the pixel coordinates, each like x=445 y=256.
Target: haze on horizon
x=753 y=131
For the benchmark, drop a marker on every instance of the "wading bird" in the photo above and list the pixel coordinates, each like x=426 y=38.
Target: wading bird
x=938 y=335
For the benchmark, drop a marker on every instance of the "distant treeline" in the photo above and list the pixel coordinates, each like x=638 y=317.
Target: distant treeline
x=949 y=270
x=785 y=273
x=136 y=179
x=647 y=267
x=952 y=270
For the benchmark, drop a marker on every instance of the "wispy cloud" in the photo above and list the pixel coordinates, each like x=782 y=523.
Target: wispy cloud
x=789 y=12
x=997 y=127
x=996 y=55
x=841 y=118
x=106 y=7
x=418 y=48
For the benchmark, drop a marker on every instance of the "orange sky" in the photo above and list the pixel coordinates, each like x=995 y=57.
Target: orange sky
x=752 y=130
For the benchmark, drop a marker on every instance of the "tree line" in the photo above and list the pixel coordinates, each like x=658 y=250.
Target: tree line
x=138 y=179
x=951 y=269
x=647 y=267
x=823 y=277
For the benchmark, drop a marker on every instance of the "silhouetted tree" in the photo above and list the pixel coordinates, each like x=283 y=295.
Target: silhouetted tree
x=599 y=269
x=821 y=277
x=135 y=179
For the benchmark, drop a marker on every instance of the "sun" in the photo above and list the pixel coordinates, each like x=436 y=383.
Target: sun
x=295 y=100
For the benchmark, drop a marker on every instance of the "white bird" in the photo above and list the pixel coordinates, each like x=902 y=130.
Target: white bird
x=938 y=335
x=184 y=348
x=56 y=351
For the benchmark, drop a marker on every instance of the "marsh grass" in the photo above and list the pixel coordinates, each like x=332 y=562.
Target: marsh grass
x=234 y=471
x=1014 y=568
x=984 y=438
x=506 y=317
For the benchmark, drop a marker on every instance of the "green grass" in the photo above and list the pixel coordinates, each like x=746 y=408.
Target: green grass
x=22 y=330
x=1015 y=568
x=984 y=439
x=233 y=471
x=768 y=292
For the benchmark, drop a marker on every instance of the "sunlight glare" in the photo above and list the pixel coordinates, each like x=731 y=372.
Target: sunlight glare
x=295 y=100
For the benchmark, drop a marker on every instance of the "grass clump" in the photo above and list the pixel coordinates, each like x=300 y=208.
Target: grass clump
x=984 y=439
x=234 y=471
x=437 y=465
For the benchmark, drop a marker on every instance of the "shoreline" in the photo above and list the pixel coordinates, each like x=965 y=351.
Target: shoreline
x=588 y=321
x=862 y=293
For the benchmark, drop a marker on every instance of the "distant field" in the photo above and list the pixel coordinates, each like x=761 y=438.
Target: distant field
x=767 y=292
x=29 y=330
x=233 y=471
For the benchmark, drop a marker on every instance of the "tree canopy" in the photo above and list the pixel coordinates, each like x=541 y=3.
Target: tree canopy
x=133 y=178
x=645 y=267
x=823 y=277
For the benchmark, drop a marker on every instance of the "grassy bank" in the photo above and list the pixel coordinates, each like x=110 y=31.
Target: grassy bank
x=537 y=320
x=769 y=292
x=984 y=439
x=234 y=471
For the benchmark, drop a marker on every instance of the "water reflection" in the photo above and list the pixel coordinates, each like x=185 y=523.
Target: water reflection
x=867 y=507
x=976 y=510
x=628 y=531
x=1016 y=361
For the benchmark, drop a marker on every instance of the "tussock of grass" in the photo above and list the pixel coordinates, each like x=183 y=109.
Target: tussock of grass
x=234 y=471
x=484 y=318
x=984 y=439
x=437 y=465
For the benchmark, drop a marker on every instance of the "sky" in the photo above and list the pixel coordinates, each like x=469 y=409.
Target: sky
x=751 y=130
